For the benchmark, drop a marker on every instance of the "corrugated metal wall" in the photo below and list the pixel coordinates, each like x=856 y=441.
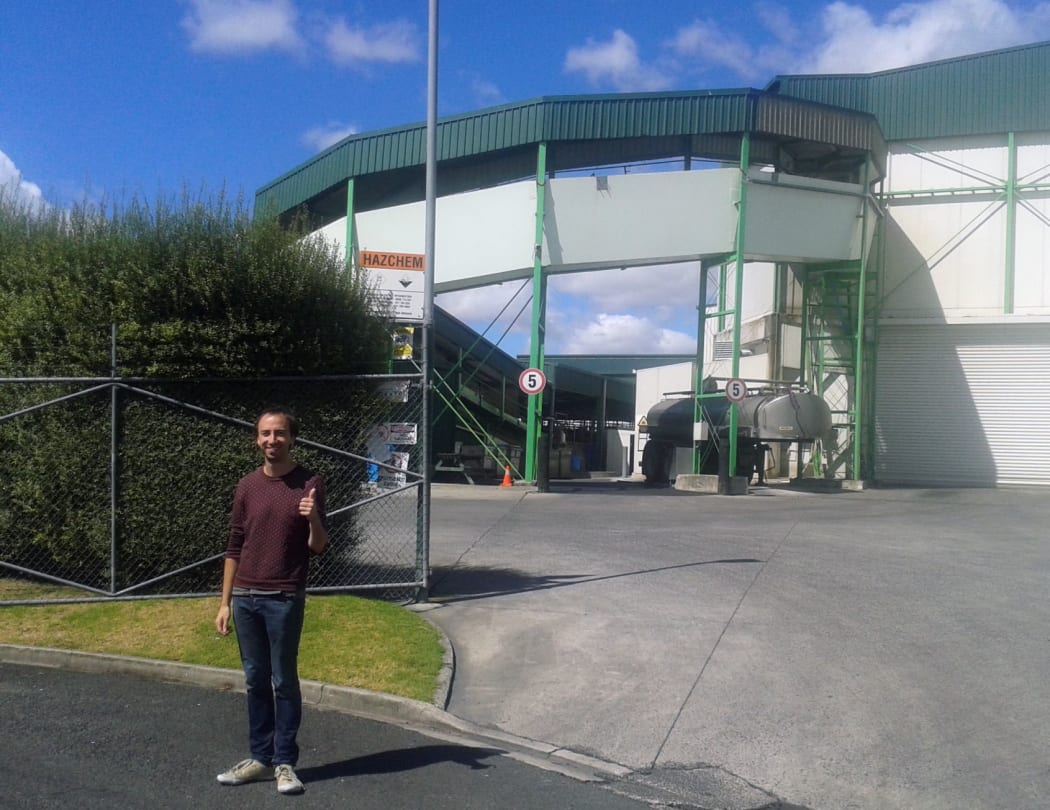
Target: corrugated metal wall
x=1000 y=91
x=604 y=122
x=963 y=405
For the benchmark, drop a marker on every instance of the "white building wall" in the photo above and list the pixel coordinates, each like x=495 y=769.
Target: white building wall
x=1031 y=278
x=785 y=215
x=590 y=223
x=638 y=219
x=946 y=252
x=960 y=393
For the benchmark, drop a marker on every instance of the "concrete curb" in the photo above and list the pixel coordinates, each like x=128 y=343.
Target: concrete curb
x=443 y=687
x=414 y=715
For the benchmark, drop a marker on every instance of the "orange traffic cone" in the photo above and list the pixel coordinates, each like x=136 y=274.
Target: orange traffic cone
x=506 y=477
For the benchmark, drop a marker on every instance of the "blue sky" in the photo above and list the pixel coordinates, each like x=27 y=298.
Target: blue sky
x=102 y=99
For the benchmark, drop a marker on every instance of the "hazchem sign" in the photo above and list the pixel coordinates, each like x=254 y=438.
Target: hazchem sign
x=392 y=261
x=397 y=282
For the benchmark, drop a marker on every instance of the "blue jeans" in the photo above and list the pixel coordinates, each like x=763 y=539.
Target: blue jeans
x=268 y=631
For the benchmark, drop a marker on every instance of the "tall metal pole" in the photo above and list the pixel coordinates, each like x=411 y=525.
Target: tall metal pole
x=537 y=335
x=423 y=545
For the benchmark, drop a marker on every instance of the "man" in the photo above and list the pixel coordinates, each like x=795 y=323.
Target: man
x=278 y=522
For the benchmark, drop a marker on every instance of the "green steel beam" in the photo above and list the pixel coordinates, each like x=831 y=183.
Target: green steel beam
x=1011 y=225
x=701 y=335
x=741 y=223
x=858 y=352
x=946 y=193
x=879 y=244
x=804 y=349
x=723 y=277
x=539 y=318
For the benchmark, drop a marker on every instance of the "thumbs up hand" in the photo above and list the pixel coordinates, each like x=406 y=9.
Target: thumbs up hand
x=308 y=505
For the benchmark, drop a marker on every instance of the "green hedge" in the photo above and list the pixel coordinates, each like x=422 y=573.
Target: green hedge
x=196 y=288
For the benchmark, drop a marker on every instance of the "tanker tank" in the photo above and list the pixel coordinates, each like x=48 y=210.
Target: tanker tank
x=770 y=416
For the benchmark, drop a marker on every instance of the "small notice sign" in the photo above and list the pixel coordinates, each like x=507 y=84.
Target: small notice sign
x=401 y=432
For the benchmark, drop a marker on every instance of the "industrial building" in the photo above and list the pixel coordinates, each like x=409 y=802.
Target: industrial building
x=879 y=240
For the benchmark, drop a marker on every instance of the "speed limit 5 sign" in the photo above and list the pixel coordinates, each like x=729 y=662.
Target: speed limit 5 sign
x=532 y=381
x=736 y=390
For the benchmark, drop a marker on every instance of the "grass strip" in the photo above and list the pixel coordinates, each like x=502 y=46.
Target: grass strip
x=347 y=640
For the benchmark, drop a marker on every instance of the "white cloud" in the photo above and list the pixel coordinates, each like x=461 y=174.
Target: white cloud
x=485 y=93
x=322 y=137
x=480 y=306
x=706 y=41
x=856 y=42
x=615 y=63
x=848 y=38
x=625 y=334
x=670 y=289
x=393 y=43
x=707 y=44
x=640 y=310
x=777 y=20
x=14 y=186
x=242 y=26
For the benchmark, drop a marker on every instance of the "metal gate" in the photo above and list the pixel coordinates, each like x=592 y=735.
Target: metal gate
x=121 y=487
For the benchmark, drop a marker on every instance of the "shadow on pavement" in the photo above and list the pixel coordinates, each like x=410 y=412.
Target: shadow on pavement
x=403 y=759
x=465 y=584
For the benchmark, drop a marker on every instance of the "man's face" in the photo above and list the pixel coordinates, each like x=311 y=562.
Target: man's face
x=274 y=438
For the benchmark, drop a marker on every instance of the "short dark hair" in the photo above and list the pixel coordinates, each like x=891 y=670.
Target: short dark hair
x=279 y=410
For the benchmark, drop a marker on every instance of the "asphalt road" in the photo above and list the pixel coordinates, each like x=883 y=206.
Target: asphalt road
x=87 y=741
x=881 y=650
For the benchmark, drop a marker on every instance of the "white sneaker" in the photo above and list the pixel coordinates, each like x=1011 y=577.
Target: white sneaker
x=247 y=770
x=287 y=781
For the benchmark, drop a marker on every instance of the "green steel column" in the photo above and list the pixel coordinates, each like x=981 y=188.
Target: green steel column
x=701 y=335
x=539 y=318
x=723 y=279
x=803 y=361
x=1011 y=225
x=741 y=224
x=803 y=365
x=858 y=352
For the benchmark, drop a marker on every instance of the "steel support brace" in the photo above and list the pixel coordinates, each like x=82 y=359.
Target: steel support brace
x=539 y=319
x=1011 y=226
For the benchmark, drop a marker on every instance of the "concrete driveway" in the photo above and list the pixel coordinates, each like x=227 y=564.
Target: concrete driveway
x=833 y=651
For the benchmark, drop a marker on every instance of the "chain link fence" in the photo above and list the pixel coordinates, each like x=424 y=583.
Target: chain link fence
x=122 y=487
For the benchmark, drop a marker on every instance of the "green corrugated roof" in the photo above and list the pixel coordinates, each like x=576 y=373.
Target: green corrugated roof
x=980 y=94
x=498 y=143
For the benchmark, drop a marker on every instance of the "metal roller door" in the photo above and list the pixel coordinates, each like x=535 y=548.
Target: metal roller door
x=963 y=405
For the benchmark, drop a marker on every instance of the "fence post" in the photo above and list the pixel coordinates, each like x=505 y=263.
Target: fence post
x=113 y=456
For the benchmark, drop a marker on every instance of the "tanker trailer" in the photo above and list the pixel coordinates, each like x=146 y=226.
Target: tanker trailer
x=764 y=417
